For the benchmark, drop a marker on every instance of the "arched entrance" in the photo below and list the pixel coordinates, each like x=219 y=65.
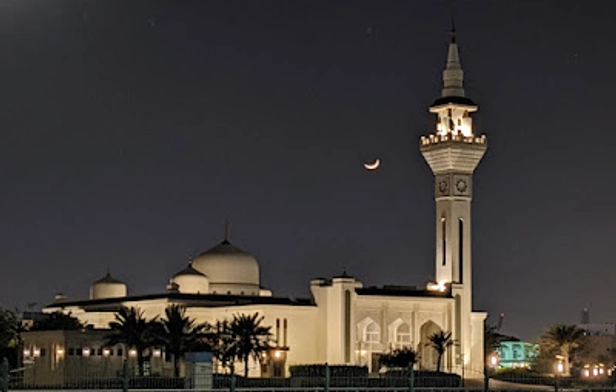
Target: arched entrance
x=428 y=357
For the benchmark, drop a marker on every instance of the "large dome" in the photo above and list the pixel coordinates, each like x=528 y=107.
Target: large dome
x=230 y=270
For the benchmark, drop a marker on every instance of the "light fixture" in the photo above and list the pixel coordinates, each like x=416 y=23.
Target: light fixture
x=586 y=373
x=156 y=352
x=277 y=354
x=60 y=351
x=264 y=355
x=560 y=367
x=363 y=352
x=132 y=352
x=595 y=371
x=86 y=352
x=36 y=352
x=106 y=352
x=26 y=352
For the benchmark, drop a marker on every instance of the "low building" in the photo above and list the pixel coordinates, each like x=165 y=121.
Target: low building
x=516 y=354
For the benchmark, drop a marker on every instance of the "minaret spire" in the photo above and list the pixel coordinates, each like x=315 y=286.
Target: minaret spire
x=453 y=76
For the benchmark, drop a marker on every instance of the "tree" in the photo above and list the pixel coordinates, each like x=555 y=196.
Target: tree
x=562 y=340
x=10 y=335
x=57 y=321
x=440 y=342
x=252 y=338
x=134 y=331
x=399 y=358
x=179 y=334
x=222 y=343
x=10 y=329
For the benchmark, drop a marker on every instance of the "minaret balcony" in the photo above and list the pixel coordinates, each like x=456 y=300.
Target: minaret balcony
x=431 y=140
x=453 y=153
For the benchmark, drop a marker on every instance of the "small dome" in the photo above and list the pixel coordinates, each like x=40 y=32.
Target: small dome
x=189 y=280
x=229 y=269
x=108 y=287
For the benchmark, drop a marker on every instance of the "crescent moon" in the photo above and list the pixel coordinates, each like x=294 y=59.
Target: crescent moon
x=374 y=165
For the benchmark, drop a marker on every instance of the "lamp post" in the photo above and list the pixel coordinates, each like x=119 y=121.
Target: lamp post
x=560 y=368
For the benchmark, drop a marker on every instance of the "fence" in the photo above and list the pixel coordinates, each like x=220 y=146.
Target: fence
x=127 y=379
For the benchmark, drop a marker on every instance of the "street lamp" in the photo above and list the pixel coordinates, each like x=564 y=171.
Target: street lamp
x=560 y=368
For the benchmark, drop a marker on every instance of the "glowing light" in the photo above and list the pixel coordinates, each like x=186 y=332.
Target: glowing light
x=363 y=352
x=264 y=355
x=277 y=354
x=586 y=373
x=560 y=367
x=86 y=352
x=595 y=371
x=132 y=353
x=601 y=370
x=60 y=351
x=157 y=352
x=26 y=353
x=106 y=352
x=494 y=360
x=440 y=286
x=36 y=352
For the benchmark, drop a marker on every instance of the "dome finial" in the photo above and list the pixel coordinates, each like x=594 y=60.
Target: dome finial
x=452 y=33
x=226 y=233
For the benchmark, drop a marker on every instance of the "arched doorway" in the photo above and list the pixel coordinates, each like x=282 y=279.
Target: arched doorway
x=428 y=357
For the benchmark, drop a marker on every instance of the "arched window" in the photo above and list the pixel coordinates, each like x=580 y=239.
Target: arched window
x=373 y=333
x=403 y=335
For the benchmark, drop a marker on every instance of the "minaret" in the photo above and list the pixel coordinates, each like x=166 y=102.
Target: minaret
x=453 y=152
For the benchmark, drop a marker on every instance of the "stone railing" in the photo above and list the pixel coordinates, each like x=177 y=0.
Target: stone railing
x=436 y=139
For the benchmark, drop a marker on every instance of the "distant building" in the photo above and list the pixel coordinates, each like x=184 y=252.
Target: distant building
x=517 y=354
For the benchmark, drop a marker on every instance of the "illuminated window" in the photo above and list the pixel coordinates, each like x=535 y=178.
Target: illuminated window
x=403 y=335
x=373 y=333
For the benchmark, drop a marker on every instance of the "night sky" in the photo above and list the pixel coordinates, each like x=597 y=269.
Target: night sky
x=132 y=130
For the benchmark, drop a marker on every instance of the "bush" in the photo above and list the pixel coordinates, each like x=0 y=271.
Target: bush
x=318 y=370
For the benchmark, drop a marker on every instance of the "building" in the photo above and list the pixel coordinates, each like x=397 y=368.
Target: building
x=515 y=354
x=343 y=322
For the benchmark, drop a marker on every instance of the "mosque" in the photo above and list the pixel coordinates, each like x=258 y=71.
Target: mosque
x=343 y=322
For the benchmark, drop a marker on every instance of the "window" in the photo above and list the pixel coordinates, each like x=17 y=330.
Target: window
x=403 y=335
x=78 y=351
x=444 y=237
x=43 y=352
x=460 y=250
x=71 y=351
x=119 y=352
x=373 y=333
x=99 y=351
x=347 y=326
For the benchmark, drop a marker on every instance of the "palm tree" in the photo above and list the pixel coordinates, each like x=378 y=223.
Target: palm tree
x=440 y=341
x=222 y=343
x=134 y=331
x=57 y=321
x=562 y=340
x=179 y=334
x=252 y=337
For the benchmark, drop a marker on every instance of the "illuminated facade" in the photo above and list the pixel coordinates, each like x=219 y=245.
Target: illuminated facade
x=344 y=322
x=453 y=152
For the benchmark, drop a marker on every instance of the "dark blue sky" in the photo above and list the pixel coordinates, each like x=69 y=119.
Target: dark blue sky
x=131 y=130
